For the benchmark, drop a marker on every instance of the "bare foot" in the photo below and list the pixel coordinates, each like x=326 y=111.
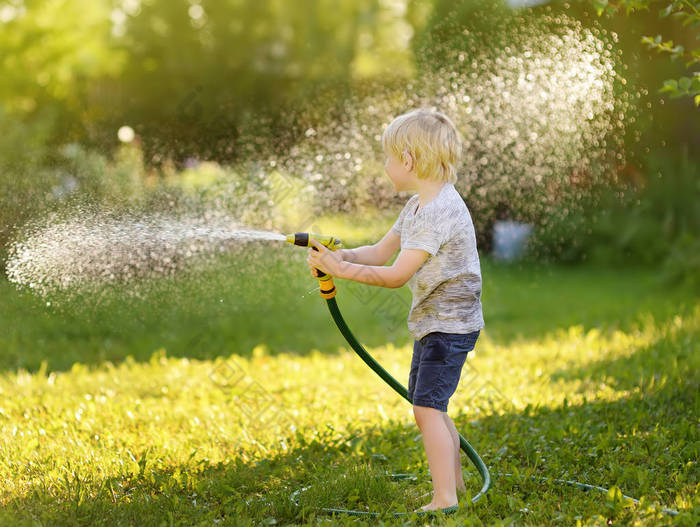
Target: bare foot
x=433 y=506
x=460 y=490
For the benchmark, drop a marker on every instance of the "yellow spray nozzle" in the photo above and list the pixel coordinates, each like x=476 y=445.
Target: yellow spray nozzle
x=302 y=239
x=326 y=285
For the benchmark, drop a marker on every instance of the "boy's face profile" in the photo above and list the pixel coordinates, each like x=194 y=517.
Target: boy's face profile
x=400 y=172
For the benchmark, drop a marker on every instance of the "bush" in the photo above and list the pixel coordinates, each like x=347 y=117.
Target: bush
x=88 y=174
x=682 y=266
x=654 y=223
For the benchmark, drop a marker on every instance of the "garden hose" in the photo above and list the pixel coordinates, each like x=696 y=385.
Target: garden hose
x=328 y=292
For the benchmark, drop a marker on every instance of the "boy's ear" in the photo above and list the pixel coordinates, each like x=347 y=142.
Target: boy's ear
x=407 y=160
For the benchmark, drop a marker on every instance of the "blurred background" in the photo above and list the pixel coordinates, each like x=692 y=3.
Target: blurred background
x=122 y=102
x=580 y=124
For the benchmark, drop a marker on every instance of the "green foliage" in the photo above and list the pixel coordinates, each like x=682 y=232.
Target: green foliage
x=196 y=80
x=450 y=23
x=51 y=50
x=682 y=265
x=683 y=86
x=687 y=13
x=101 y=181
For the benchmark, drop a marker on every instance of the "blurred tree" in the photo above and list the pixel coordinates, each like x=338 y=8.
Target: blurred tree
x=190 y=75
x=49 y=52
x=199 y=70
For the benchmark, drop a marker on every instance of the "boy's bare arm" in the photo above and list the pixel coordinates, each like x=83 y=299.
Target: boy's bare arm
x=406 y=265
x=377 y=254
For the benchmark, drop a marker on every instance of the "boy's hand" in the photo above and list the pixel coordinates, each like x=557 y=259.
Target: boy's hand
x=324 y=259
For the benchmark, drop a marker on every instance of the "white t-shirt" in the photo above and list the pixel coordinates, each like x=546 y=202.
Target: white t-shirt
x=447 y=287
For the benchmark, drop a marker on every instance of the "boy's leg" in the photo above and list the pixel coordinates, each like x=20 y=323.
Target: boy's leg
x=439 y=449
x=459 y=476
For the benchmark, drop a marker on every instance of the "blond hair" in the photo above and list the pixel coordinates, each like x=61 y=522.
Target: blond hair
x=432 y=140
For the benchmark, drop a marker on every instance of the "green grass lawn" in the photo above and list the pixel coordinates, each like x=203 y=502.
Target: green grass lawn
x=209 y=398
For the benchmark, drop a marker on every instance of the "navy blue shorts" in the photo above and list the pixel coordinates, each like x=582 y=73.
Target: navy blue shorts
x=436 y=367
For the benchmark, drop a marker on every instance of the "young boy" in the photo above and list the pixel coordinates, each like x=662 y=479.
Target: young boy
x=440 y=263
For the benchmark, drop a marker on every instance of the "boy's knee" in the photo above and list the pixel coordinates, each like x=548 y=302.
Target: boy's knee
x=418 y=413
x=421 y=413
